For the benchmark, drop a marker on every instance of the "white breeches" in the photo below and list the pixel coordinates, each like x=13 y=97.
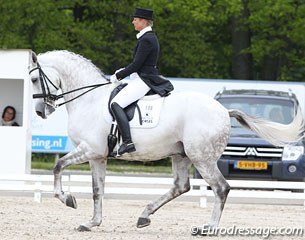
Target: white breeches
x=135 y=90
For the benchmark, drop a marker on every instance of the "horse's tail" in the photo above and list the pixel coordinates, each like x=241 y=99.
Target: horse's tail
x=275 y=133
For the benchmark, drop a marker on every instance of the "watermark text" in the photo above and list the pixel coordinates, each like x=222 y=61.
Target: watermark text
x=264 y=232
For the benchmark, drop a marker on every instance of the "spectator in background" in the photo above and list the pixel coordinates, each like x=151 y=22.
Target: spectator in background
x=8 y=117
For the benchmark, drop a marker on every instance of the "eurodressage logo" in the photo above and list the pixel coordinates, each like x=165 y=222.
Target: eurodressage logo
x=264 y=232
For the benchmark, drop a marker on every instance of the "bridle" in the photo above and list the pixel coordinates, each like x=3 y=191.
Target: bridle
x=50 y=98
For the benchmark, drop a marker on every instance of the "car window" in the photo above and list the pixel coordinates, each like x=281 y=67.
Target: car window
x=277 y=110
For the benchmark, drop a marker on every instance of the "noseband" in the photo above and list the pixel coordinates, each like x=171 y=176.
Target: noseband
x=50 y=98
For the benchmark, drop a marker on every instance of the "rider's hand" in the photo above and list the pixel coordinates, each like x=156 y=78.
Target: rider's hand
x=113 y=78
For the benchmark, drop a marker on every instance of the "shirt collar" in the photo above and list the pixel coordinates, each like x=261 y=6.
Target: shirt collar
x=7 y=123
x=144 y=30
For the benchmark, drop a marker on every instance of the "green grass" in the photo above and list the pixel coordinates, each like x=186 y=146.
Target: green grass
x=140 y=169
x=120 y=168
x=47 y=161
x=49 y=166
x=163 y=166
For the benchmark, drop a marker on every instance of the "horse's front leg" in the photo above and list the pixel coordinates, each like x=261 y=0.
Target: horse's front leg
x=80 y=154
x=98 y=168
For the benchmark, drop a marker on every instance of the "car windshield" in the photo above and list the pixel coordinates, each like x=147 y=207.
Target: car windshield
x=277 y=110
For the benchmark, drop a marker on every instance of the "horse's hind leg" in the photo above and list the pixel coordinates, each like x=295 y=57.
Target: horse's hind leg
x=79 y=155
x=98 y=169
x=211 y=174
x=181 y=185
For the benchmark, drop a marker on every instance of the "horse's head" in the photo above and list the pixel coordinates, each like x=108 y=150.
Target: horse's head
x=45 y=81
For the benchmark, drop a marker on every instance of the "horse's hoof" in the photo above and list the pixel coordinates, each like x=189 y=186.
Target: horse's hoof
x=83 y=228
x=71 y=201
x=143 y=222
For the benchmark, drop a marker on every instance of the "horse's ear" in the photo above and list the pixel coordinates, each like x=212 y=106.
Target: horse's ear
x=34 y=57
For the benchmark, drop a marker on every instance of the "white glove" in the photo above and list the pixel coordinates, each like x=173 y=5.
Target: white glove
x=113 y=78
x=118 y=70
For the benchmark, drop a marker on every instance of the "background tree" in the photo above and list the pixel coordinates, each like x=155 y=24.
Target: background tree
x=242 y=61
x=227 y=39
x=277 y=39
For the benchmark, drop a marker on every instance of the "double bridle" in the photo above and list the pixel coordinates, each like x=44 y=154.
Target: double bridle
x=49 y=98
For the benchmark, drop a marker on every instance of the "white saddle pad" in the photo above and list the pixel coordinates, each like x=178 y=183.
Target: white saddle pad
x=150 y=107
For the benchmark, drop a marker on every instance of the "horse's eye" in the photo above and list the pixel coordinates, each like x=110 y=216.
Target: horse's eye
x=34 y=79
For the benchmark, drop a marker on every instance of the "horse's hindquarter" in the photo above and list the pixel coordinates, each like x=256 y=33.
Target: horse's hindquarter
x=202 y=116
x=186 y=118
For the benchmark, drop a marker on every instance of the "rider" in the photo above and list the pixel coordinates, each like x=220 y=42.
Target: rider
x=143 y=74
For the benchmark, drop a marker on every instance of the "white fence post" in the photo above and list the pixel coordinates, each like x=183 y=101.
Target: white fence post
x=203 y=199
x=37 y=192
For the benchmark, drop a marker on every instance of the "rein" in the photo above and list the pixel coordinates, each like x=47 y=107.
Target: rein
x=48 y=97
x=78 y=89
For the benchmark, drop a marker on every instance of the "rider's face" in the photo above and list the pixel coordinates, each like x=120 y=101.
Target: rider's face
x=139 y=23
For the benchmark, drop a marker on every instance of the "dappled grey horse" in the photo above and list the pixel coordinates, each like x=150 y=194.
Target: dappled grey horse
x=192 y=129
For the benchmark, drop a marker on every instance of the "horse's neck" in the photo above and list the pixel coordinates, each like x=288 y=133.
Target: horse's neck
x=77 y=73
x=87 y=100
x=73 y=72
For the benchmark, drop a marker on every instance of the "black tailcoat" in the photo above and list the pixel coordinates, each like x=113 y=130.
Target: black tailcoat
x=146 y=54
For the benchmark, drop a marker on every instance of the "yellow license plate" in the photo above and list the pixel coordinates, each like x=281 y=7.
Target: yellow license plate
x=251 y=165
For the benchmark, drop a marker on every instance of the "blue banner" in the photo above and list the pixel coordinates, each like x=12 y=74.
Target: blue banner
x=51 y=144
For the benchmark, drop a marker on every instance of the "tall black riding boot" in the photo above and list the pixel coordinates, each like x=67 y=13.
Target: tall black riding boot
x=123 y=124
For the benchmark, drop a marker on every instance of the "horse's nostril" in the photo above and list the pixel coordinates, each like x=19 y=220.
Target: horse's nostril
x=39 y=113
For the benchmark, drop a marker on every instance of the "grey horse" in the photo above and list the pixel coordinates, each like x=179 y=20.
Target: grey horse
x=192 y=129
